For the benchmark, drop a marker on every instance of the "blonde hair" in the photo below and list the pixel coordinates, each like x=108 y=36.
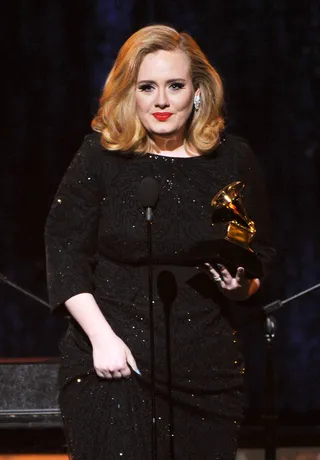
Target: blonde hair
x=116 y=118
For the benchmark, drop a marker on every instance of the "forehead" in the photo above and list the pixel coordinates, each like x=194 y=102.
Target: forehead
x=166 y=64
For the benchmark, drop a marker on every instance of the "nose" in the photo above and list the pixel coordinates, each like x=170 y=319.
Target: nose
x=162 y=99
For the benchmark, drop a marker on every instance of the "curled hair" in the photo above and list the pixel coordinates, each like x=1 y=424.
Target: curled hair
x=116 y=118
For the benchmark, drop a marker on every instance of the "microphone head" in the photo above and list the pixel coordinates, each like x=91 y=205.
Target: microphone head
x=148 y=192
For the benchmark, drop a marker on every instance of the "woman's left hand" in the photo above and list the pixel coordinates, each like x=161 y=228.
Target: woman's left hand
x=235 y=288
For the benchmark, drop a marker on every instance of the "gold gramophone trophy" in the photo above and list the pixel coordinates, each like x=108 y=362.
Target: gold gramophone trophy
x=235 y=231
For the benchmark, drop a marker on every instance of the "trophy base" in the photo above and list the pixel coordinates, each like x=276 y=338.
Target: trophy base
x=232 y=255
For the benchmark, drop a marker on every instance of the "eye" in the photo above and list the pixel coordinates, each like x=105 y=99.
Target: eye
x=146 y=87
x=177 y=85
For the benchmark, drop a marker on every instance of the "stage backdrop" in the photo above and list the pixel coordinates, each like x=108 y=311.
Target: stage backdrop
x=57 y=55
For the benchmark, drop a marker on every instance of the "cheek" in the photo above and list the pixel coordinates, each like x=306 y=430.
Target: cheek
x=142 y=104
x=185 y=104
x=185 y=109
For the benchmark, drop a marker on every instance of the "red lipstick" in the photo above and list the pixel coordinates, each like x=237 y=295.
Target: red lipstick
x=162 y=116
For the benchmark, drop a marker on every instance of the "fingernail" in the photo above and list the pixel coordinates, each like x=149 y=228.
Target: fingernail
x=220 y=266
x=138 y=372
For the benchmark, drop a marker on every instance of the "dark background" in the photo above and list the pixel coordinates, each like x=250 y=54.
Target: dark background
x=56 y=57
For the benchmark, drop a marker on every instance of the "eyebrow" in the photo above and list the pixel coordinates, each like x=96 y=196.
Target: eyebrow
x=172 y=80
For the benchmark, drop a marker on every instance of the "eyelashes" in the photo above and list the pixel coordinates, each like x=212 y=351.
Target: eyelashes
x=148 y=87
x=145 y=87
x=177 y=85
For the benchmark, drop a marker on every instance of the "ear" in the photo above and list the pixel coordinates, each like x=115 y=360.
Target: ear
x=198 y=92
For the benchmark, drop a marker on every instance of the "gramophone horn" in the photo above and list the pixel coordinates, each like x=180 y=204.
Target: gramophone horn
x=230 y=197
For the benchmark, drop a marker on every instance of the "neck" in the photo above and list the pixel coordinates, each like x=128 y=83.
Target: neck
x=168 y=144
x=173 y=146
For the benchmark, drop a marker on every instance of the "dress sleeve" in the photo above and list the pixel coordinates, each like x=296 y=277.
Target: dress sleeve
x=72 y=226
x=256 y=203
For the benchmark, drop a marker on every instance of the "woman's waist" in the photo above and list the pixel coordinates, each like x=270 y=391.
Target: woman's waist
x=108 y=270
x=128 y=284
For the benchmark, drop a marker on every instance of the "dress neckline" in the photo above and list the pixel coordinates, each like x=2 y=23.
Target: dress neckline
x=169 y=157
x=194 y=157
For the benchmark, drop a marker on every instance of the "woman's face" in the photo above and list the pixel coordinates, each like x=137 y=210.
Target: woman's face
x=164 y=93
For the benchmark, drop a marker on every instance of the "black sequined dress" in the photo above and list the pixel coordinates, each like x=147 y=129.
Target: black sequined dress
x=96 y=242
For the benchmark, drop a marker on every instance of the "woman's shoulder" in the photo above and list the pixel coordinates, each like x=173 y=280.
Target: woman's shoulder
x=92 y=159
x=239 y=147
x=235 y=141
x=244 y=158
x=92 y=144
x=92 y=148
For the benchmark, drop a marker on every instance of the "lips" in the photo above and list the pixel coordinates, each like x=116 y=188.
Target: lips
x=162 y=116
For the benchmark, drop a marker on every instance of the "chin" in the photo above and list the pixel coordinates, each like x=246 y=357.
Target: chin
x=165 y=130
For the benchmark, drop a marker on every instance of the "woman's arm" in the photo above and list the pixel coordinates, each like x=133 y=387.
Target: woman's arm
x=247 y=170
x=111 y=357
x=71 y=231
x=71 y=237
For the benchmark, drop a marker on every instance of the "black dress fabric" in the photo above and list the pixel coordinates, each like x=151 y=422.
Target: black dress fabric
x=96 y=242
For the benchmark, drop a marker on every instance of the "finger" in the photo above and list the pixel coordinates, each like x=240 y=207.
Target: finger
x=225 y=274
x=215 y=275
x=116 y=375
x=103 y=374
x=100 y=374
x=204 y=268
x=126 y=372
x=107 y=375
x=131 y=361
x=240 y=275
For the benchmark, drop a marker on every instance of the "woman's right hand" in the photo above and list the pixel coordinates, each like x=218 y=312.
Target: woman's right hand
x=112 y=357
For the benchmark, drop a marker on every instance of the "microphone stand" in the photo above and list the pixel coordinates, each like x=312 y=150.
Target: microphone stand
x=270 y=411
x=154 y=448
x=5 y=280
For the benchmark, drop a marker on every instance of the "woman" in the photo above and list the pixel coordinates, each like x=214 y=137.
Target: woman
x=160 y=116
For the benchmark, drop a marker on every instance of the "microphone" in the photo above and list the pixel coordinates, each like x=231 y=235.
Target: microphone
x=148 y=195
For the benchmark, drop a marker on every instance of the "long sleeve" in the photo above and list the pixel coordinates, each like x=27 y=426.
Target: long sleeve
x=72 y=226
x=255 y=202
